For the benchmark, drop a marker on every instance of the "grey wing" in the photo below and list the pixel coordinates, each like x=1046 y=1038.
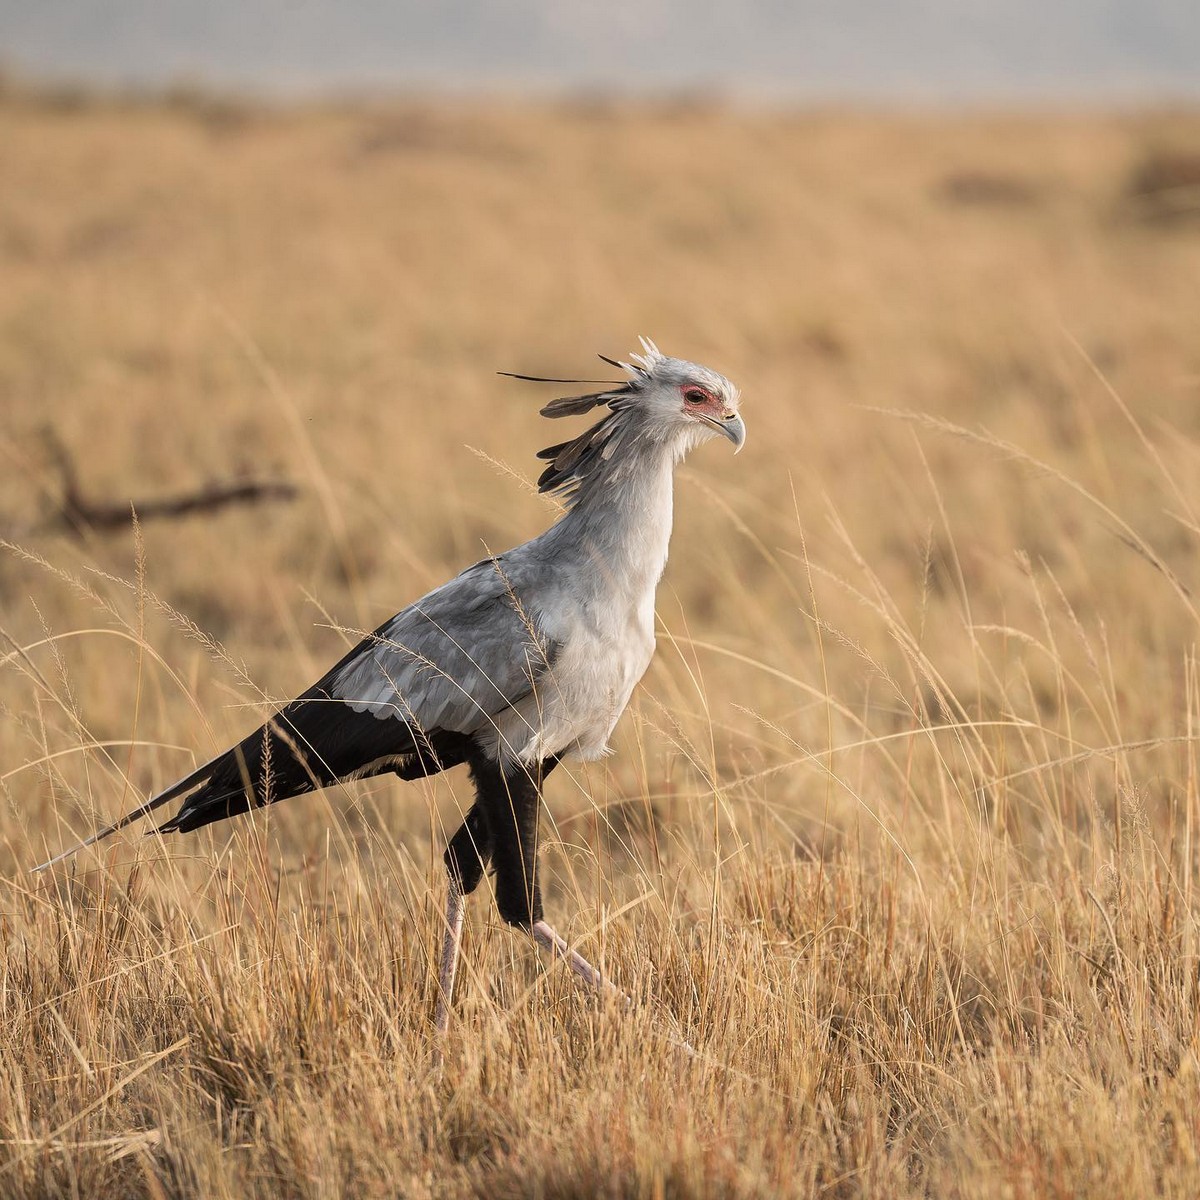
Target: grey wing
x=449 y=664
x=452 y=661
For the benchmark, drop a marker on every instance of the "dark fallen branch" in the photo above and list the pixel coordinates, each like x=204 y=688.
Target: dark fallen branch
x=81 y=515
x=78 y=515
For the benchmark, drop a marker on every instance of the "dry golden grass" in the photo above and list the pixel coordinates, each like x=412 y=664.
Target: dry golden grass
x=901 y=831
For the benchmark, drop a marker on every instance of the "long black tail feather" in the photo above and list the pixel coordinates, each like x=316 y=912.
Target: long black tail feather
x=313 y=742
x=173 y=792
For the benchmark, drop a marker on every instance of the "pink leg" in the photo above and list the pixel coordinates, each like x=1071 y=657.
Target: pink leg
x=546 y=937
x=456 y=908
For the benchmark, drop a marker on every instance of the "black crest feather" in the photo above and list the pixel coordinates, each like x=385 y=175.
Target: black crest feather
x=576 y=406
x=547 y=378
x=570 y=462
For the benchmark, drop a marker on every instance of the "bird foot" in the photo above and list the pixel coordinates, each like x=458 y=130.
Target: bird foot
x=543 y=934
x=546 y=937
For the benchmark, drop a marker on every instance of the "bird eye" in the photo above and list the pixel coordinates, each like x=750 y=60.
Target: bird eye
x=696 y=396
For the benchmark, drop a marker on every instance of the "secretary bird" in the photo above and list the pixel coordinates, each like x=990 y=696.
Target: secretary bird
x=524 y=658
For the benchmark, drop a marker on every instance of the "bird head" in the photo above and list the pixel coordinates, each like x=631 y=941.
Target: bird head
x=683 y=400
x=665 y=401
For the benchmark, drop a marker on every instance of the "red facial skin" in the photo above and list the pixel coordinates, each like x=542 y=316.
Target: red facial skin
x=699 y=401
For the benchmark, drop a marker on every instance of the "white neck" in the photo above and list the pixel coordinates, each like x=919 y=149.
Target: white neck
x=617 y=533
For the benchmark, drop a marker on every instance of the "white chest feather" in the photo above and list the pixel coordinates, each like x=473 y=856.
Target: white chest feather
x=577 y=704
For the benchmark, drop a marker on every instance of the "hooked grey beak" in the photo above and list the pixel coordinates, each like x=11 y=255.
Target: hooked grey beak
x=734 y=428
x=731 y=426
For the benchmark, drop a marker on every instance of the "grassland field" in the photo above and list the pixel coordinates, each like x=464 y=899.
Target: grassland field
x=901 y=832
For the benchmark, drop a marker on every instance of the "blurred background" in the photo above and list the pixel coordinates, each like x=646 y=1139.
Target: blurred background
x=277 y=252
x=949 y=251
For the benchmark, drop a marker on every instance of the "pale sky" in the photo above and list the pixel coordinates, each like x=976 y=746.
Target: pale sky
x=939 y=51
